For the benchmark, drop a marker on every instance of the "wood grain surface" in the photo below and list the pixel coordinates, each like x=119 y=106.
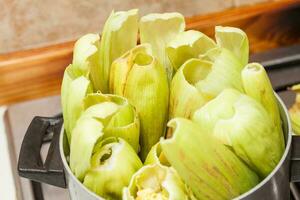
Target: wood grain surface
x=38 y=73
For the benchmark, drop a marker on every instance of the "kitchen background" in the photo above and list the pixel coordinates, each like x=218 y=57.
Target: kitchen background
x=34 y=23
x=31 y=70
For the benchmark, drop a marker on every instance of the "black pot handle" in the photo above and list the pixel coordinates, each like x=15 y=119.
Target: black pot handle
x=295 y=159
x=30 y=164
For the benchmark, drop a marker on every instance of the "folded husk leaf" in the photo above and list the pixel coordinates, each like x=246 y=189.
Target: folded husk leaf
x=185 y=98
x=118 y=36
x=241 y=122
x=295 y=111
x=258 y=86
x=156 y=156
x=235 y=40
x=225 y=73
x=113 y=163
x=73 y=91
x=209 y=168
x=158 y=30
x=124 y=122
x=155 y=182
x=186 y=45
x=85 y=47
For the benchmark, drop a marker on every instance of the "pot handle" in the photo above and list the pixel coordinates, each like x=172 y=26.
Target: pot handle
x=295 y=159
x=30 y=164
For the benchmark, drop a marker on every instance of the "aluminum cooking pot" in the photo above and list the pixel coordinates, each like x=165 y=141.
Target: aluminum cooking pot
x=56 y=171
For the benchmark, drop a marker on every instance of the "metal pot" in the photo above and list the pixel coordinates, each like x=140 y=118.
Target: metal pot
x=56 y=171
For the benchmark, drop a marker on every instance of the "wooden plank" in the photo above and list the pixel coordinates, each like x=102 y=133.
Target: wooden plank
x=37 y=73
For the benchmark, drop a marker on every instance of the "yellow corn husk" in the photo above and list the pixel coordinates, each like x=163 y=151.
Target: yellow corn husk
x=118 y=36
x=121 y=67
x=158 y=30
x=258 y=86
x=156 y=156
x=124 y=121
x=155 y=182
x=73 y=90
x=112 y=165
x=235 y=40
x=295 y=111
x=186 y=45
x=209 y=168
x=145 y=85
x=185 y=98
x=241 y=122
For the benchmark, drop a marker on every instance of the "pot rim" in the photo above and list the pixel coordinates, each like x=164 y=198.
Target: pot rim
x=284 y=114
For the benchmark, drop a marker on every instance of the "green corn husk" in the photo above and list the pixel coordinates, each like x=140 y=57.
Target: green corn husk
x=156 y=156
x=258 y=86
x=146 y=88
x=194 y=84
x=188 y=44
x=185 y=98
x=88 y=130
x=73 y=90
x=295 y=111
x=155 y=182
x=113 y=163
x=235 y=40
x=158 y=30
x=124 y=122
x=210 y=169
x=85 y=47
x=241 y=122
x=118 y=36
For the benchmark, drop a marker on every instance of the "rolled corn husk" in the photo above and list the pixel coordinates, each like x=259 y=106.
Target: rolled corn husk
x=186 y=45
x=158 y=30
x=140 y=78
x=185 y=98
x=113 y=163
x=155 y=182
x=258 y=86
x=118 y=36
x=295 y=111
x=242 y=123
x=209 y=168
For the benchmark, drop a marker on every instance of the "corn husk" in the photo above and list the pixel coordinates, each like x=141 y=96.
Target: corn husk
x=156 y=156
x=200 y=80
x=123 y=123
x=186 y=45
x=73 y=91
x=113 y=163
x=235 y=40
x=140 y=78
x=185 y=98
x=295 y=111
x=155 y=182
x=258 y=86
x=158 y=30
x=242 y=123
x=210 y=169
x=118 y=36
